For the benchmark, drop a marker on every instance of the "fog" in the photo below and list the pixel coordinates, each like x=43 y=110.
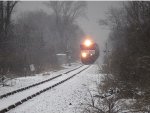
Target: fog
x=89 y=23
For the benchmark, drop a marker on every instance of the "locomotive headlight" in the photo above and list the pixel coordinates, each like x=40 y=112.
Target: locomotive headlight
x=87 y=42
x=84 y=55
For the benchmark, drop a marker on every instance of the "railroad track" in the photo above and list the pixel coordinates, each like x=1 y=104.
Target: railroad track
x=8 y=108
x=36 y=84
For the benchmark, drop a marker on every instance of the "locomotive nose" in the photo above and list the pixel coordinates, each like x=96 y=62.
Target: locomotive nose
x=89 y=51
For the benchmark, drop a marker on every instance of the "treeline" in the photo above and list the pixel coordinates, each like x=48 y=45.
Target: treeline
x=129 y=58
x=36 y=37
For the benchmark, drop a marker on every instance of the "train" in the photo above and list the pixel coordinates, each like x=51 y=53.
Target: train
x=89 y=51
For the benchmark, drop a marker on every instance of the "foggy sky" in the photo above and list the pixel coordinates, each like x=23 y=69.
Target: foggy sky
x=95 y=11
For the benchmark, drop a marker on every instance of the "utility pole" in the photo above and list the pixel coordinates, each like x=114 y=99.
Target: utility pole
x=68 y=53
x=106 y=51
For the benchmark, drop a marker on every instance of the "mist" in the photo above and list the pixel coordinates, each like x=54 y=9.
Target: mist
x=89 y=23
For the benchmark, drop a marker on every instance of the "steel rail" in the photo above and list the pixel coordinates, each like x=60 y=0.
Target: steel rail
x=36 y=84
x=4 y=110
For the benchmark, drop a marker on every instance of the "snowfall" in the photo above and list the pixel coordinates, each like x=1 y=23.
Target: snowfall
x=64 y=98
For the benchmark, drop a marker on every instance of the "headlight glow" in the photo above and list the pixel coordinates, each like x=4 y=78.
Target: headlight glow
x=84 y=55
x=87 y=42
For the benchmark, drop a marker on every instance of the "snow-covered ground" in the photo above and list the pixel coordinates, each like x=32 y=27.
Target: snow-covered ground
x=65 y=98
x=21 y=82
x=5 y=102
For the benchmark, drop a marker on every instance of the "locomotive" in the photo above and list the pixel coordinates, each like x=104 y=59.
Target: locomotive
x=89 y=51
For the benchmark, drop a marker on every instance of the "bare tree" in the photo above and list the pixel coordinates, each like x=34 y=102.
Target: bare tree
x=6 y=9
x=66 y=13
x=130 y=50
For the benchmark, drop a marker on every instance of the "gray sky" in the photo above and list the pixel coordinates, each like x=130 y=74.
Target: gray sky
x=96 y=10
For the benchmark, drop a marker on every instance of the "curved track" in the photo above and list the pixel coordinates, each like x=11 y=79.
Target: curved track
x=43 y=90
x=36 y=84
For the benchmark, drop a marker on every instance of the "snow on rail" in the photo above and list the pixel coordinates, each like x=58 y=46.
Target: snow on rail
x=22 y=82
x=36 y=84
x=19 y=98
